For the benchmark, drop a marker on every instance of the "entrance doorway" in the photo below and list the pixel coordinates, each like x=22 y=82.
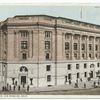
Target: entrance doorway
x=23 y=80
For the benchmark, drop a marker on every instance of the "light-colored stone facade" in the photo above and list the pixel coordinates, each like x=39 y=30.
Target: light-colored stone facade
x=41 y=50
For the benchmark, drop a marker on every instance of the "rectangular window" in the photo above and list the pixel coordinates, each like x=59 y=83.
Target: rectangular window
x=78 y=75
x=69 y=66
x=69 y=76
x=48 y=34
x=90 y=46
x=48 y=78
x=96 y=47
x=75 y=55
x=66 y=45
x=77 y=66
x=85 y=65
x=85 y=74
x=23 y=44
x=83 y=46
x=47 y=44
x=47 y=56
x=48 y=68
x=98 y=64
x=24 y=56
x=75 y=46
x=67 y=55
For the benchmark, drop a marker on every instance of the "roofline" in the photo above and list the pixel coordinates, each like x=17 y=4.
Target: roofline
x=53 y=17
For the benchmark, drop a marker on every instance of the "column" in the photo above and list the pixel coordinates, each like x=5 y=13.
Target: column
x=72 y=53
x=80 y=47
x=87 y=47
x=94 y=47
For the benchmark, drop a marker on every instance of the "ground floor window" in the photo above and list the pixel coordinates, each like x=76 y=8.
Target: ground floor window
x=69 y=76
x=78 y=75
x=48 y=78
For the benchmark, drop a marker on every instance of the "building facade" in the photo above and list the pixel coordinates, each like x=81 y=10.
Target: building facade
x=41 y=50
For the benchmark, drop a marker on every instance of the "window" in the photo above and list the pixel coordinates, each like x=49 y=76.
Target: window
x=24 y=56
x=78 y=75
x=48 y=68
x=67 y=36
x=96 y=55
x=66 y=45
x=67 y=55
x=75 y=55
x=23 y=44
x=47 y=44
x=65 y=78
x=98 y=64
x=83 y=46
x=77 y=66
x=83 y=55
x=47 y=56
x=31 y=80
x=24 y=33
x=69 y=76
x=69 y=66
x=75 y=46
x=96 y=47
x=48 y=34
x=90 y=55
x=85 y=74
x=90 y=46
x=48 y=78
x=85 y=65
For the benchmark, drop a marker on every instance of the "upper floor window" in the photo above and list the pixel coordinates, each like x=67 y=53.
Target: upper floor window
x=47 y=56
x=24 y=33
x=48 y=68
x=90 y=46
x=96 y=47
x=66 y=45
x=85 y=65
x=67 y=55
x=48 y=34
x=69 y=66
x=75 y=46
x=67 y=36
x=77 y=66
x=83 y=46
x=24 y=56
x=23 y=44
x=47 y=44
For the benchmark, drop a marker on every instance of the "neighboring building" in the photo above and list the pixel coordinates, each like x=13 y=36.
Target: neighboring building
x=41 y=50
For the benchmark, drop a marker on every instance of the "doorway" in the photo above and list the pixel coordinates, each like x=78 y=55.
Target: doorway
x=23 y=80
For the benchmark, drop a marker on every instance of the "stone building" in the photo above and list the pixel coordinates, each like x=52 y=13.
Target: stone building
x=42 y=50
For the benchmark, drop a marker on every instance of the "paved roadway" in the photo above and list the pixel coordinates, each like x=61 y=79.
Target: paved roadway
x=93 y=91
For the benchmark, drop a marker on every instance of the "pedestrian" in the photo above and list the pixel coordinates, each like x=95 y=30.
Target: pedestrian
x=3 y=88
x=28 y=88
x=16 y=83
x=94 y=84
x=19 y=88
x=84 y=85
x=98 y=83
x=10 y=87
x=69 y=81
x=14 y=88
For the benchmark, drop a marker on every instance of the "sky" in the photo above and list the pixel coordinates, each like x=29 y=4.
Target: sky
x=90 y=14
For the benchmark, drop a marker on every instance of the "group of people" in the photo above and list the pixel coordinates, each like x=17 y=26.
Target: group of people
x=14 y=88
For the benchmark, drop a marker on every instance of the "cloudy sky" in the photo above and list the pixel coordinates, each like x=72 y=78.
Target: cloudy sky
x=90 y=14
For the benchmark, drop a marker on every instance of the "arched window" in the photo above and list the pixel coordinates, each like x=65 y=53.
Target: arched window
x=23 y=68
